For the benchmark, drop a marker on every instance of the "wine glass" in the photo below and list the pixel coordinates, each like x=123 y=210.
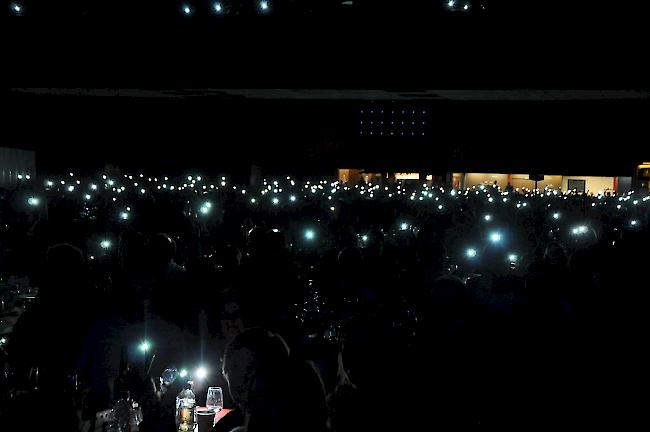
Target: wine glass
x=214 y=401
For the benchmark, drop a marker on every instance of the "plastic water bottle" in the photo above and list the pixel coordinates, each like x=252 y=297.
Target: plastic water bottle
x=186 y=409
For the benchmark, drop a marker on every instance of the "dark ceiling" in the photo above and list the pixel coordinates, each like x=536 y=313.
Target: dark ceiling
x=121 y=82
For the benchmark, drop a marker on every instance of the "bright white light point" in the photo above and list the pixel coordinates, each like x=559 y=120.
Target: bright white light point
x=332 y=208
x=142 y=191
x=33 y=201
x=404 y=226
x=92 y=257
x=364 y=238
x=223 y=183
x=512 y=257
x=292 y=198
x=105 y=244
x=440 y=207
x=264 y=5
x=17 y=8
x=471 y=253
x=124 y=215
x=556 y=215
x=217 y=7
x=201 y=373
x=49 y=183
x=253 y=200
x=309 y=235
x=451 y=3
x=183 y=373
x=187 y=10
x=466 y=7
x=275 y=200
x=70 y=188
x=487 y=217
x=114 y=199
x=145 y=346
x=93 y=186
x=62 y=182
x=205 y=210
x=495 y=237
x=634 y=222
x=580 y=229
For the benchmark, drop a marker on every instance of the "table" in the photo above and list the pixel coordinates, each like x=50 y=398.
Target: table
x=103 y=417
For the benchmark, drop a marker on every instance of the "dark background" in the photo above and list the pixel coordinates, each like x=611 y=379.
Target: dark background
x=403 y=48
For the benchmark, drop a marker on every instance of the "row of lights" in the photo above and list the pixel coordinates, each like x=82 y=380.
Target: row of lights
x=453 y=5
x=201 y=372
x=264 y=6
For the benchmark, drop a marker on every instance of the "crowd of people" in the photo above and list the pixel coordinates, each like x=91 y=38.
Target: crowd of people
x=325 y=306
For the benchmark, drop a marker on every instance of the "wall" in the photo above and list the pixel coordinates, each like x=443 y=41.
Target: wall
x=475 y=179
x=624 y=185
x=592 y=184
x=350 y=176
x=522 y=181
